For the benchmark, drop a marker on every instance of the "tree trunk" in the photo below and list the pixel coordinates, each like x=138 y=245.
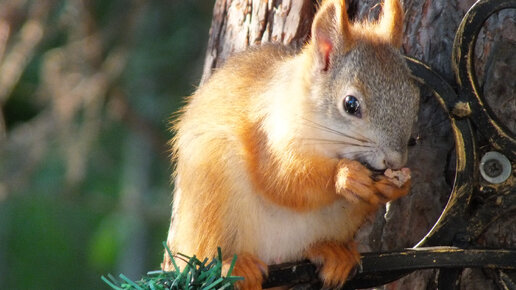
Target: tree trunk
x=430 y=28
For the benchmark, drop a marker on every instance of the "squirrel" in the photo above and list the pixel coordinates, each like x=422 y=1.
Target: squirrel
x=276 y=154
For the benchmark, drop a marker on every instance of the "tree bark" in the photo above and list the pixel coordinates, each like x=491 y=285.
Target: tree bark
x=238 y=24
x=430 y=28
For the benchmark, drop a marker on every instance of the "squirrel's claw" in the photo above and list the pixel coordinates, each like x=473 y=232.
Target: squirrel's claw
x=251 y=268
x=336 y=260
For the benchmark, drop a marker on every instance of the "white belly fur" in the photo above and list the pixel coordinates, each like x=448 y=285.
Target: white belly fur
x=283 y=234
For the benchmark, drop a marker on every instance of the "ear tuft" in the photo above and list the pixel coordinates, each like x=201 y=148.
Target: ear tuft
x=390 y=25
x=330 y=31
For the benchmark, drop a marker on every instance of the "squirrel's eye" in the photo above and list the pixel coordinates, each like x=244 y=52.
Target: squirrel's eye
x=352 y=106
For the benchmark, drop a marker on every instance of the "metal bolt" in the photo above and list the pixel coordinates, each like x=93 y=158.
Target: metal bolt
x=493 y=168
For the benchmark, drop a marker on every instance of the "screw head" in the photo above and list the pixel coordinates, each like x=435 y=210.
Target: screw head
x=495 y=167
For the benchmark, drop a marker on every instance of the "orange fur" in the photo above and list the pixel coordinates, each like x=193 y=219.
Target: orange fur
x=390 y=25
x=387 y=30
x=200 y=147
x=325 y=32
x=241 y=159
x=293 y=180
x=336 y=259
x=247 y=266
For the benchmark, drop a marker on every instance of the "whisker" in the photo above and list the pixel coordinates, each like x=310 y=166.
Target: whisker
x=324 y=128
x=332 y=141
x=367 y=140
x=357 y=154
x=333 y=131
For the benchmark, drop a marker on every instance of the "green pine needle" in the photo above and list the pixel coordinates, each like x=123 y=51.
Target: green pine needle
x=196 y=275
x=171 y=257
x=111 y=284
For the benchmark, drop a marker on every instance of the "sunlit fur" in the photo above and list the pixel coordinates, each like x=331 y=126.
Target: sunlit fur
x=257 y=146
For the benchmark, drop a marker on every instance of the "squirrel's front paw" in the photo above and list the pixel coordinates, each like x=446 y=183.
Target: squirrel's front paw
x=251 y=268
x=353 y=181
x=335 y=260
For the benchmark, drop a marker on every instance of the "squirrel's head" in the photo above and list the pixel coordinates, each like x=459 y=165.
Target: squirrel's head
x=362 y=96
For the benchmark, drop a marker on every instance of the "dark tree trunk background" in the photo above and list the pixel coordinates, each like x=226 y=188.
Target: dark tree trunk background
x=430 y=28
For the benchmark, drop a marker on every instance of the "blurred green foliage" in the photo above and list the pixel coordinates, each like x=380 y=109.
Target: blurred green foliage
x=58 y=232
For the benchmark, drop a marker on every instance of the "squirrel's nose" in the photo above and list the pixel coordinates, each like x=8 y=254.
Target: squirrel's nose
x=395 y=159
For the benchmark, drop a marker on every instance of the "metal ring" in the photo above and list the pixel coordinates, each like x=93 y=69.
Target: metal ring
x=452 y=217
x=463 y=57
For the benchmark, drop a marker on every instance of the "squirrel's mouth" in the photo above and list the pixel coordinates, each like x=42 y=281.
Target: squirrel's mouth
x=367 y=165
x=374 y=171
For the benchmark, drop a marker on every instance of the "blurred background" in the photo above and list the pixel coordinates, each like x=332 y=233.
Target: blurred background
x=87 y=88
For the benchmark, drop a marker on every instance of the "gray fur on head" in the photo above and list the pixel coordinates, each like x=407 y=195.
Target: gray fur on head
x=389 y=101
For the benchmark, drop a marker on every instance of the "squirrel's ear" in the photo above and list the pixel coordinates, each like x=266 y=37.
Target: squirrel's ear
x=330 y=31
x=390 y=24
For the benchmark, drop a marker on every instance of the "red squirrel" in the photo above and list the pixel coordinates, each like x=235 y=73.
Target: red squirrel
x=275 y=153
